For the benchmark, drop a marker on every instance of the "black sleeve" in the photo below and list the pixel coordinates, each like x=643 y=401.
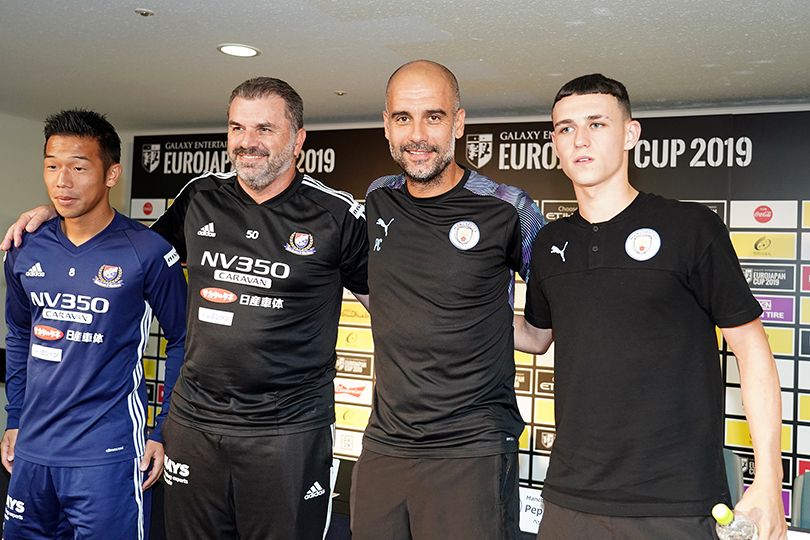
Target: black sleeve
x=354 y=253
x=718 y=283
x=170 y=225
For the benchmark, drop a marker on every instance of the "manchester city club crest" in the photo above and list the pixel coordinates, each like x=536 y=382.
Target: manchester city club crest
x=150 y=157
x=300 y=244
x=479 y=149
x=464 y=235
x=109 y=276
x=642 y=244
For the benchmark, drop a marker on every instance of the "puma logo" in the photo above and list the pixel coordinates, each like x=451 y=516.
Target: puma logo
x=559 y=251
x=384 y=225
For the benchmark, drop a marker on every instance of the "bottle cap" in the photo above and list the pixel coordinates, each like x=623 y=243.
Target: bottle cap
x=722 y=514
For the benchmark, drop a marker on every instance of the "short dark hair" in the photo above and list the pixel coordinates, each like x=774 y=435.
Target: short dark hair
x=260 y=87
x=596 y=83
x=84 y=123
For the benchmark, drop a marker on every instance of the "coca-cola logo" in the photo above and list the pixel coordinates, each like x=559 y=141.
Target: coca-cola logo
x=763 y=213
x=147 y=208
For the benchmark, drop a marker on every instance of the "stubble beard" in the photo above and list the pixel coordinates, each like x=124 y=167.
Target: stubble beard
x=260 y=175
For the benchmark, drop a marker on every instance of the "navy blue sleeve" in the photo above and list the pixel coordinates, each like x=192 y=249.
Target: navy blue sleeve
x=18 y=340
x=165 y=290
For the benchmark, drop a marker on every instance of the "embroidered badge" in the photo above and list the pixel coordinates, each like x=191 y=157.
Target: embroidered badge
x=300 y=244
x=464 y=235
x=642 y=244
x=109 y=276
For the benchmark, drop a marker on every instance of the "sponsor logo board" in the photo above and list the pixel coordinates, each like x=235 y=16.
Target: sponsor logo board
x=531 y=509
x=544 y=382
x=356 y=391
x=544 y=411
x=806 y=246
x=805 y=310
x=770 y=277
x=804 y=343
x=737 y=434
x=355 y=340
x=718 y=207
x=781 y=340
x=146 y=208
x=523 y=380
x=777 y=309
x=353 y=365
x=354 y=313
x=348 y=443
x=544 y=439
x=764 y=214
x=764 y=245
x=351 y=416
x=554 y=210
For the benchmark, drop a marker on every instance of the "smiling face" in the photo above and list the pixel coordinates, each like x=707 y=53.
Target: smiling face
x=592 y=137
x=422 y=123
x=76 y=178
x=261 y=142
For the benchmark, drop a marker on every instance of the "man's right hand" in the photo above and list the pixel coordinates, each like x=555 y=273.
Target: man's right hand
x=27 y=222
x=7 y=448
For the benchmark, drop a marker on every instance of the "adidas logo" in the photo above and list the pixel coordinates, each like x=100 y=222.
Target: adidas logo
x=207 y=230
x=315 y=491
x=35 y=271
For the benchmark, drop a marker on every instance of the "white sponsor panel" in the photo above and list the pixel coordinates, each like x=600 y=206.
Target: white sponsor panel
x=805 y=246
x=525 y=407
x=147 y=208
x=215 y=316
x=734 y=403
x=51 y=354
x=764 y=214
x=539 y=467
x=804 y=375
x=546 y=359
x=803 y=439
x=784 y=367
x=523 y=466
x=531 y=509
x=357 y=391
x=348 y=443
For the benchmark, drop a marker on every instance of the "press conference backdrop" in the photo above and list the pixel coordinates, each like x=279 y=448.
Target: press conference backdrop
x=748 y=168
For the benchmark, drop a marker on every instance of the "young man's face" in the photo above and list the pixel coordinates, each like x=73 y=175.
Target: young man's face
x=75 y=175
x=421 y=124
x=261 y=142
x=591 y=137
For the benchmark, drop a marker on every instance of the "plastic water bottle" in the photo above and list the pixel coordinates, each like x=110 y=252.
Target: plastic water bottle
x=731 y=526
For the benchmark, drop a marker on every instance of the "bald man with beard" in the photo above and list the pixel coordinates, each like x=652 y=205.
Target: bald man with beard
x=439 y=454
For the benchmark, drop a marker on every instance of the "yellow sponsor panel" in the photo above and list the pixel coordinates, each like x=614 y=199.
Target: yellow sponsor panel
x=780 y=339
x=737 y=434
x=150 y=414
x=523 y=442
x=764 y=245
x=523 y=359
x=354 y=313
x=719 y=334
x=355 y=339
x=804 y=407
x=544 y=411
x=806 y=215
x=150 y=368
x=351 y=416
x=162 y=347
x=805 y=310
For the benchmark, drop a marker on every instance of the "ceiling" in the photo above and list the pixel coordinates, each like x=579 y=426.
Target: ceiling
x=510 y=56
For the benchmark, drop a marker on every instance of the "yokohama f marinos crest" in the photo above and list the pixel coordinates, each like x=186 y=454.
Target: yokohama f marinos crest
x=109 y=276
x=301 y=244
x=150 y=157
x=479 y=149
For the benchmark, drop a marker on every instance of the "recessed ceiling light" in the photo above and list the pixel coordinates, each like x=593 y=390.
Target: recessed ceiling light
x=340 y=92
x=237 y=49
x=145 y=12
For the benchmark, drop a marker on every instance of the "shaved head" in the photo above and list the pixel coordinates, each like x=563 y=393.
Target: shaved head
x=425 y=68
